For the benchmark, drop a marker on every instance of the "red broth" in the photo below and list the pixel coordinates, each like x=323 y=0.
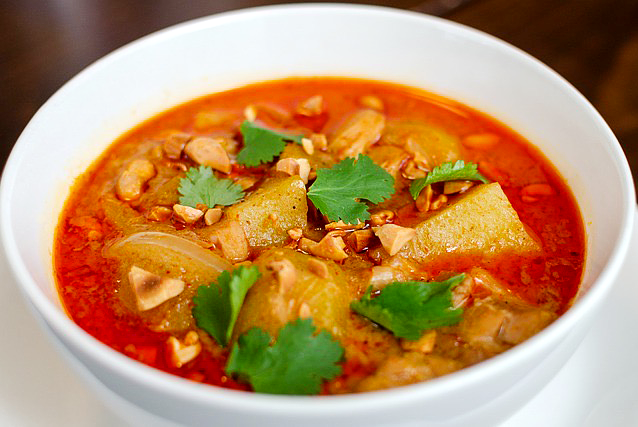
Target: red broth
x=90 y=284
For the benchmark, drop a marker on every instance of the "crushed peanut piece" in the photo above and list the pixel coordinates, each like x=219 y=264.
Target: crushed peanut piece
x=424 y=199
x=340 y=225
x=438 y=202
x=451 y=187
x=312 y=106
x=160 y=213
x=360 y=239
x=179 y=354
x=394 y=237
x=307 y=146
x=319 y=141
x=381 y=217
x=151 y=290
x=187 y=214
x=250 y=112
x=212 y=216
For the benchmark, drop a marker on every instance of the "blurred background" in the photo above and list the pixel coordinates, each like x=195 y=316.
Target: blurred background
x=592 y=43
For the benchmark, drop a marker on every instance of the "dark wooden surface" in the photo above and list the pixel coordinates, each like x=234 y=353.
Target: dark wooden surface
x=592 y=43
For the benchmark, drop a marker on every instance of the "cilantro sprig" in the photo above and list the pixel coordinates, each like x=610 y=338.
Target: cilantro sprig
x=201 y=186
x=217 y=305
x=337 y=191
x=449 y=171
x=296 y=363
x=262 y=145
x=409 y=308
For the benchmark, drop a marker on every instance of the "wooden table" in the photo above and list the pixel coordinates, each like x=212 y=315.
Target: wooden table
x=592 y=43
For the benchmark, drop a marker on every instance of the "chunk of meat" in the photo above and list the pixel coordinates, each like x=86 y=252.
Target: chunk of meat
x=360 y=131
x=131 y=182
x=151 y=290
x=208 y=152
x=479 y=222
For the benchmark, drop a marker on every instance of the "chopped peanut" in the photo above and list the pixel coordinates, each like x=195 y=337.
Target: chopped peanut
x=208 y=152
x=381 y=217
x=371 y=101
x=451 y=187
x=288 y=166
x=151 y=290
x=318 y=268
x=307 y=145
x=304 y=311
x=424 y=199
x=481 y=141
x=438 y=202
x=425 y=344
x=178 y=353
x=174 y=145
x=360 y=239
x=212 y=216
x=250 y=112
x=160 y=213
x=233 y=242
x=285 y=272
x=394 y=237
x=319 y=141
x=295 y=233
x=187 y=214
x=340 y=225
x=312 y=106
x=130 y=183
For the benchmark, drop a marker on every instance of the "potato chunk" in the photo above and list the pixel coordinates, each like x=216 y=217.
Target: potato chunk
x=268 y=213
x=480 y=222
x=269 y=305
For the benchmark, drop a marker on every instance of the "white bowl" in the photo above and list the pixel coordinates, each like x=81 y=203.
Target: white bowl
x=233 y=49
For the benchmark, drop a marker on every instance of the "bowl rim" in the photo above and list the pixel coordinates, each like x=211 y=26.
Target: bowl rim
x=308 y=405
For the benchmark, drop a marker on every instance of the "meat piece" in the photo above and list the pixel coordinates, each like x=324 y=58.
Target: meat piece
x=131 y=182
x=360 y=131
x=208 y=152
x=151 y=290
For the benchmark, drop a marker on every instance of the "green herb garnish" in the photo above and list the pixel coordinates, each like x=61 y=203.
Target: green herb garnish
x=337 y=191
x=450 y=171
x=410 y=308
x=262 y=145
x=217 y=305
x=296 y=363
x=201 y=186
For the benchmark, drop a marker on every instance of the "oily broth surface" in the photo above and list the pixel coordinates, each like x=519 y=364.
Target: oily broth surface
x=89 y=283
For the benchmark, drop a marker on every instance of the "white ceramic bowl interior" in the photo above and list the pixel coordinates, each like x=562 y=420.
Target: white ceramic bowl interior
x=229 y=50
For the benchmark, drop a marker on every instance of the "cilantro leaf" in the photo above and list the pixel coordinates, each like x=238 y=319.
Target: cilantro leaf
x=217 y=305
x=296 y=363
x=202 y=186
x=336 y=191
x=409 y=308
x=449 y=171
x=261 y=145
